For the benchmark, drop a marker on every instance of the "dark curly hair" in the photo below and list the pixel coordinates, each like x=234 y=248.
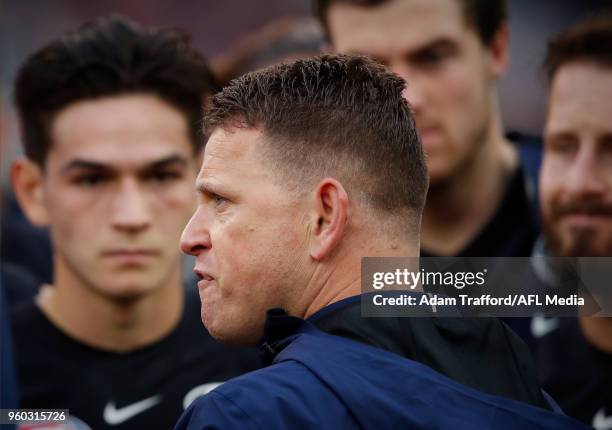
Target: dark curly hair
x=105 y=57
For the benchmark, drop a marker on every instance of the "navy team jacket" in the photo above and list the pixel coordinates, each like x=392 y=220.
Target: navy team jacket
x=322 y=381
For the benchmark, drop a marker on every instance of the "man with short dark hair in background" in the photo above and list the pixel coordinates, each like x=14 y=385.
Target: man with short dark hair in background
x=311 y=166
x=575 y=356
x=111 y=116
x=451 y=53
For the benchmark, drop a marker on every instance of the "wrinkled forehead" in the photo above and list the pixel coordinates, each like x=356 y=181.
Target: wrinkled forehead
x=233 y=152
x=398 y=25
x=229 y=143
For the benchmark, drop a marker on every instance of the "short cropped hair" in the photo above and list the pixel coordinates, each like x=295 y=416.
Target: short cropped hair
x=332 y=115
x=107 y=57
x=587 y=41
x=485 y=16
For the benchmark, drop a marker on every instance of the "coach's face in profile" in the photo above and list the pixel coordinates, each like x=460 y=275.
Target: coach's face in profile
x=250 y=235
x=576 y=176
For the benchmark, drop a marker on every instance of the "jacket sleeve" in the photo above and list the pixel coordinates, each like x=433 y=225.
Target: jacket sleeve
x=215 y=411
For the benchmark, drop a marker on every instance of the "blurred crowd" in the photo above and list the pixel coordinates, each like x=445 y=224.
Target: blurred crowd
x=100 y=310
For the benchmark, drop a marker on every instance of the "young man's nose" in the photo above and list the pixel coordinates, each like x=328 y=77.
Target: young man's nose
x=131 y=211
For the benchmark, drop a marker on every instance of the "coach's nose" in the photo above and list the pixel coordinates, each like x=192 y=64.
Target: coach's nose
x=196 y=237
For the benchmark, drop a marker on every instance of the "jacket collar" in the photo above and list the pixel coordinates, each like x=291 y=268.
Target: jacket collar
x=280 y=328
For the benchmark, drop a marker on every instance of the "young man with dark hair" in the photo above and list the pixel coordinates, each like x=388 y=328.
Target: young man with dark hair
x=575 y=357
x=111 y=119
x=451 y=53
x=311 y=166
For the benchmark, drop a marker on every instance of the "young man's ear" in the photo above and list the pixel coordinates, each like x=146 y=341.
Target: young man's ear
x=27 y=180
x=329 y=216
x=499 y=51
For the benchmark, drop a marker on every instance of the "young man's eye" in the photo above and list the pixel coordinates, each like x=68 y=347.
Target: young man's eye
x=90 y=180
x=164 y=176
x=432 y=58
x=435 y=55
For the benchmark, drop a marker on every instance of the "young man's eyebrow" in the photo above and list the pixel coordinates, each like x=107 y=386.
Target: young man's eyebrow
x=95 y=165
x=439 y=43
x=172 y=159
x=84 y=164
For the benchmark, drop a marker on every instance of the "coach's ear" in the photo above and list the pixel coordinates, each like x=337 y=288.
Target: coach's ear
x=330 y=212
x=27 y=180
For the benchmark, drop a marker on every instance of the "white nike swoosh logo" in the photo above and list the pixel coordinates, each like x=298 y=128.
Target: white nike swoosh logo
x=541 y=326
x=601 y=421
x=114 y=416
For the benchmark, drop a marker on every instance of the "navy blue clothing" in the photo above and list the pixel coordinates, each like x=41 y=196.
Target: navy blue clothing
x=481 y=353
x=515 y=225
x=23 y=244
x=19 y=285
x=8 y=375
x=512 y=230
x=323 y=381
x=530 y=155
x=576 y=373
x=147 y=388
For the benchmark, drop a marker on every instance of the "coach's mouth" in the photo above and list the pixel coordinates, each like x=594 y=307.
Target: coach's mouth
x=205 y=278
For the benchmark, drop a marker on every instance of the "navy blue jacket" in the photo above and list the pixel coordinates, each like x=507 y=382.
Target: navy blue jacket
x=322 y=381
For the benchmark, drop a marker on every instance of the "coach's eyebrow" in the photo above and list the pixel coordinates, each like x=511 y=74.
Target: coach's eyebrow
x=204 y=188
x=208 y=189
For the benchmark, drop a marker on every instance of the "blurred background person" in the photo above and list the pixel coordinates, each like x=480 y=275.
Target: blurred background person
x=575 y=354
x=522 y=90
x=281 y=40
x=481 y=200
x=451 y=53
x=111 y=116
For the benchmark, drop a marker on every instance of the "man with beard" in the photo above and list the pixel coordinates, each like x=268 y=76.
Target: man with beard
x=575 y=356
x=110 y=117
x=451 y=53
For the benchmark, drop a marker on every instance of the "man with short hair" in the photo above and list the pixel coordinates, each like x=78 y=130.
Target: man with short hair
x=110 y=116
x=451 y=53
x=575 y=355
x=311 y=166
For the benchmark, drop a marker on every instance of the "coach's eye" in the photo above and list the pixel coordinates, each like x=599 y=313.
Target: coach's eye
x=218 y=200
